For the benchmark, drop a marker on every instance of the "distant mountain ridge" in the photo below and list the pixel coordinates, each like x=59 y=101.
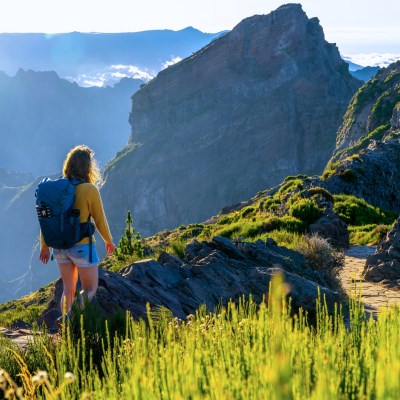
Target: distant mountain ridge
x=260 y=103
x=71 y=54
x=43 y=116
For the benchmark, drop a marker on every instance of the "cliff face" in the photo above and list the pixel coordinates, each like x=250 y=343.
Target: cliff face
x=262 y=102
x=366 y=162
x=369 y=112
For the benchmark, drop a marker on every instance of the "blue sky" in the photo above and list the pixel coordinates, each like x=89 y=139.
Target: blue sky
x=356 y=26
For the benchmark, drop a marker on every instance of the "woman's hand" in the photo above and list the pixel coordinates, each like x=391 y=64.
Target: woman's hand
x=110 y=247
x=44 y=256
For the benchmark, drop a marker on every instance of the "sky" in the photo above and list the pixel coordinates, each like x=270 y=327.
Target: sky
x=356 y=26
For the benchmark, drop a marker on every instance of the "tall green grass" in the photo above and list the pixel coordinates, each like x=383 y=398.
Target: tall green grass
x=242 y=351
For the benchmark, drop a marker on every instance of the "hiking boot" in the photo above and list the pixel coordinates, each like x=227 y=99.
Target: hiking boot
x=59 y=321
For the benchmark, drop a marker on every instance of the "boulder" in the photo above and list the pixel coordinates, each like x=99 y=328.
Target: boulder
x=384 y=264
x=332 y=228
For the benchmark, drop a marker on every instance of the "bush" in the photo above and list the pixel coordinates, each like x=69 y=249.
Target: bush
x=355 y=211
x=305 y=210
x=348 y=175
x=322 y=257
x=292 y=224
x=368 y=235
x=323 y=192
x=290 y=186
x=177 y=248
x=247 y=211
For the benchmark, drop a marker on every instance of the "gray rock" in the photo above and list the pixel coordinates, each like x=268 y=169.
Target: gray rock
x=211 y=277
x=332 y=228
x=385 y=263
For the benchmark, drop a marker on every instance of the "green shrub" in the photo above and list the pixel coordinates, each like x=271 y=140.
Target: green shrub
x=290 y=186
x=305 y=210
x=355 y=211
x=271 y=204
x=330 y=170
x=323 y=192
x=247 y=211
x=348 y=175
x=230 y=230
x=368 y=235
x=178 y=247
x=292 y=224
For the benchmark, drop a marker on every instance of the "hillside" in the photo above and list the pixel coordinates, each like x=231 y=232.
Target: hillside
x=366 y=160
x=261 y=102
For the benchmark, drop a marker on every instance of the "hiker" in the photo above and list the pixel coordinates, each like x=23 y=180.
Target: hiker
x=80 y=166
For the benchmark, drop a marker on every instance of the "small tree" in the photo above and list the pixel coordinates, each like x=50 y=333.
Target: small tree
x=131 y=242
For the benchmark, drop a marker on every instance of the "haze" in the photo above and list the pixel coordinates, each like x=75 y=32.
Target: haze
x=355 y=26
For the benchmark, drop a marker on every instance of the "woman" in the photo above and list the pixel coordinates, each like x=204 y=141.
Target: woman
x=75 y=261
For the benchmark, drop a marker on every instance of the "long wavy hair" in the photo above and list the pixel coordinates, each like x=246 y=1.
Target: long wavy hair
x=80 y=163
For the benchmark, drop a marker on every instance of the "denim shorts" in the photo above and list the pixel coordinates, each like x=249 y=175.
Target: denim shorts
x=78 y=254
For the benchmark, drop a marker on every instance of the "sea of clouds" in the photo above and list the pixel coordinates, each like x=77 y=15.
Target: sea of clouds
x=372 y=59
x=114 y=73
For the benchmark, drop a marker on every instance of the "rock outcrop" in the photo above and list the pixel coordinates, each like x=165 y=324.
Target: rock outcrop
x=212 y=273
x=261 y=102
x=384 y=265
x=366 y=162
x=332 y=228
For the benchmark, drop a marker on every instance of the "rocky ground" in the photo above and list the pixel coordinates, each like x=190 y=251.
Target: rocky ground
x=373 y=295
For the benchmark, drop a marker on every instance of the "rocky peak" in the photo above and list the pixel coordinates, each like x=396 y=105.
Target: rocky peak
x=257 y=104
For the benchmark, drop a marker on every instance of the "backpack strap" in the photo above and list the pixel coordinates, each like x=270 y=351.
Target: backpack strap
x=90 y=238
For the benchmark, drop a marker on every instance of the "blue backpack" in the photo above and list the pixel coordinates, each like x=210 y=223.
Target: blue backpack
x=59 y=221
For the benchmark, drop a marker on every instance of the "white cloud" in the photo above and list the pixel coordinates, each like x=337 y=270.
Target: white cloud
x=373 y=59
x=110 y=76
x=171 y=61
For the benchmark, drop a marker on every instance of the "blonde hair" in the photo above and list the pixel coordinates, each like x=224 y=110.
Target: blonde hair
x=80 y=163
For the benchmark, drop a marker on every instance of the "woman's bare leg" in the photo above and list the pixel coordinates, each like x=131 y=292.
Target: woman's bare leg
x=69 y=276
x=89 y=281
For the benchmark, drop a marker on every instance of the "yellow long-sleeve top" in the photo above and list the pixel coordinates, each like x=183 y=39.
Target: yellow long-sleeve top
x=88 y=201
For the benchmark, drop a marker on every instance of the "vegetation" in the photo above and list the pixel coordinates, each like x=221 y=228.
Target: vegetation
x=368 y=235
x=322 y=257
x=27 y=308
x=130 y=248
x=241 y=351
x=357 y=212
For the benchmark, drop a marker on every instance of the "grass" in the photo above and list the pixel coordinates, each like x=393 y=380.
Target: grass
x=357 y=212
x=27 y=308
x=368 y=235
x=243 y=351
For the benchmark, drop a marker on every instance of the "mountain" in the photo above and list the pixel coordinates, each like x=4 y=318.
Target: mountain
x=43 y=116
x=366 y=73
x=261 y=102
x=75 y=53
x=366 y=161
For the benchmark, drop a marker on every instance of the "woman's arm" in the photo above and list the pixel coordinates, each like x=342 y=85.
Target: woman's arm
x=97 y=211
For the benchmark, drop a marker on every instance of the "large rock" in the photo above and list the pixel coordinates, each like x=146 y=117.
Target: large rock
x=261 y=102
x=212 y=273
x=384 y=265
x=332 y=228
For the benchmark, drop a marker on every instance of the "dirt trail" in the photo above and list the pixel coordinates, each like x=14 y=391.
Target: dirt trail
x=20 y=337
x=374 y=295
